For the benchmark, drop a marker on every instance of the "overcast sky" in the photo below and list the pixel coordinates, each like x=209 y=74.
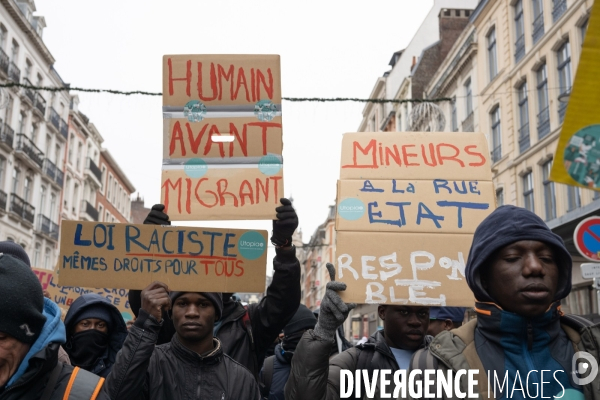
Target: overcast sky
x=328 y=49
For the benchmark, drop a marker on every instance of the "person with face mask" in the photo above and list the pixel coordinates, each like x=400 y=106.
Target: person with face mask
x=276 y=368
x=95 y=333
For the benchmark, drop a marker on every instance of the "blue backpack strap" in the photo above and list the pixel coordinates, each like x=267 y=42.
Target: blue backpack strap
x=83 y=385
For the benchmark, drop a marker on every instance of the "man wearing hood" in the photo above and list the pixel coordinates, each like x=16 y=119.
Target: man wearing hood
x=192 y=366
x=95 y=333
x=519 y=270
x=276 y=368
x=315 y=376
x=247 y=332
x=31 y=333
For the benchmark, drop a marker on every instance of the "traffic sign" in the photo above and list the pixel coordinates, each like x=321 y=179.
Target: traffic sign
x=587 y=238
x=590 y=270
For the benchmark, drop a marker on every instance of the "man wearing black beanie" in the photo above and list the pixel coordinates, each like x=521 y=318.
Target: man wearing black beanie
x=31 y=333
x=191 y=366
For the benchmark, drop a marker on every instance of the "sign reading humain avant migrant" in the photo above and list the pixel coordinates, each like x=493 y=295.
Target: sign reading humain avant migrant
x=95 y=254
x=222 y=136
x=408 y=205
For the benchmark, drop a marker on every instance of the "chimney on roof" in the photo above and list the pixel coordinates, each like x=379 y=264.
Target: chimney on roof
x=414 y=62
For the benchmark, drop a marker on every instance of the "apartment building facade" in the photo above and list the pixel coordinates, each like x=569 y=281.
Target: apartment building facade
x=510 y=74
x=114 y=197
x=33 y=134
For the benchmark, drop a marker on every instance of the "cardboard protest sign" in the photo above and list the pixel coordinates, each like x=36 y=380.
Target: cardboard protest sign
x=577 y=157
x=407 y=207
x=64 y=296
x=222 y=137
x=186 y=259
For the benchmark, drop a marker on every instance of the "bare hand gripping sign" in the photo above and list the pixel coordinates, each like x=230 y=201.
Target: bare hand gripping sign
x=408 y=205
x=94 y=254
x=222 y=149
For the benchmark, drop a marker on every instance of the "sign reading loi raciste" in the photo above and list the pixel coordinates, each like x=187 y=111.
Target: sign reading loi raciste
x=408 y=205
x=64 y=296
x=222 y=141
x=94 y=254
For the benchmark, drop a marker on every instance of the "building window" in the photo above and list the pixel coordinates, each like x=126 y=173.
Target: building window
x=496 y=135
x=71 y=145
x=558 y=9
x=549 y=193
x=573 y=198
x=3 y=36
x=528 y=191
x=499 y=197
x=583 y=29
x=16 y=176
x=538 y=19
x=454 y=116
x=2 y=171
x=492 y=54
x=27 y=188
x=468 y=97
x=543 y=117
x=47 y=254
x=524 y=141
x=79 y=156
x=399 y=122
x=42 y=199
x=103 y=179
x=519 y=31
x=28 y=66
x=564 y=77
x=52 y=210
x=14 y=52
x=36 y=255
x=100 y=212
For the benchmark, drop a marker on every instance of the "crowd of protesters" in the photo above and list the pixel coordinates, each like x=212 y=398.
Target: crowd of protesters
x=206 y=345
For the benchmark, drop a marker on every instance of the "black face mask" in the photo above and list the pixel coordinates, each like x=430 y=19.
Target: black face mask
x=86 y=347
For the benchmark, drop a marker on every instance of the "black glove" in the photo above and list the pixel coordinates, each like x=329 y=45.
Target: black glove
x=156 y=216
x=285 y=224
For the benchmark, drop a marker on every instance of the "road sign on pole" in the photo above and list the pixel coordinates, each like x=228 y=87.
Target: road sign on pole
x=587 y=238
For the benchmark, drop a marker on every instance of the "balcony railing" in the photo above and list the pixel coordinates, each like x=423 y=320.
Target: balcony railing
x=22 y=208
x=467 y=124
x=28 y=92
x=7 y=135
x=524 y=141
x=497 y=153
x=45 y=225
x=14 y=73
x=54 y=118
x=519 y=48
x=538 y=28
x=543 y=123
x=40 y=104
x=25 y=145
x=3 y=200
x=4 y=61
x=91 y=165
x=562 y=109
x=52 y=171
x=64 y=128
x=560 y=6
x=90 y=210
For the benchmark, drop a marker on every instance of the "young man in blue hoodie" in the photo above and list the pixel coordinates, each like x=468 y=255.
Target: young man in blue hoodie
x=31 y=333
x=521 y=343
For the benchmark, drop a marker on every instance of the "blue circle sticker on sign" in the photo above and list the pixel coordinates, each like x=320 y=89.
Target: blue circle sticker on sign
x=252 y=245
x=195 y=168
x=351 y=209
x=269 y=165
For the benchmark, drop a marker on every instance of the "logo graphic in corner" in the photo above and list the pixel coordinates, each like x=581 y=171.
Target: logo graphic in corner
x=28 y=332
x=195 y=168
x=269 y=165
x=583 y=363
x=252 y=245
x=351 y=209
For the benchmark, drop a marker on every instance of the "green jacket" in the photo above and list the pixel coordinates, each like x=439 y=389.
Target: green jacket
x=455 y=350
